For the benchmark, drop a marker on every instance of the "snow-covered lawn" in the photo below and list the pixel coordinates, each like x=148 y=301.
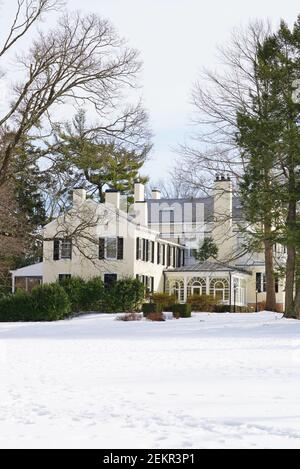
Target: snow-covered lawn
x=210 y=381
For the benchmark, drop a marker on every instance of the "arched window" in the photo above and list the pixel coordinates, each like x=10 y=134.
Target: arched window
x=219 y=288
x=176 y=287
x=197 y=286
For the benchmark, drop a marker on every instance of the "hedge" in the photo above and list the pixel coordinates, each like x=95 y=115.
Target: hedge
x=202 y=303
x=45 y=303
x=149 y=308
x=16 y=307
x=74 y=287
x=164 y=299
x=50 y=303
x=228 y=309
x=183 y=310
x=125 y=295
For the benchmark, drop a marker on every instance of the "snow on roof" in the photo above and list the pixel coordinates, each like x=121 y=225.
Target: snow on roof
x=35 y=270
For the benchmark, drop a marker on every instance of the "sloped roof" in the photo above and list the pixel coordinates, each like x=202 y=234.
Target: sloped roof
x=210 y=266
x=207 y=202
x=34 y=270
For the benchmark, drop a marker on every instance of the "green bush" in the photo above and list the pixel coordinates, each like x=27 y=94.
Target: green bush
x=75 y=288
x=124 y=296
x=16 y=307
x=149 y=308
x=202 y=303
x=93 y=295
x=45 y=303
x=50 y=303
x=184 y=311
x=164 y=299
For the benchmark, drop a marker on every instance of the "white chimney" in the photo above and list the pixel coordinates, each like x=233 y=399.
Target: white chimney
x=79 y=197
x=140 y=204
x=139 y=192
x=156 y=194
x=113 y=197
x=222 y=231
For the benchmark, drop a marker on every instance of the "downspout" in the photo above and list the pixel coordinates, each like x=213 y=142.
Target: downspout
x=230 y=292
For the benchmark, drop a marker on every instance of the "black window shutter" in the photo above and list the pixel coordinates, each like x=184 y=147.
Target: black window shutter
x=258 y=282
x=164 y=254
x=276 y=284
x=158 y=253
x=144 y=249
x=152 y=284
x=120 y=249
x=174 y=257
x=56 y=246
x=169 y=256
x=153 y=252
x=71 y=249
x=147 y=250
x=137 y=248
x=101 y=248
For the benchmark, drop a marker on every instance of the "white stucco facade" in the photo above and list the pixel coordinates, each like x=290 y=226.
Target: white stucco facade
x=155 y=240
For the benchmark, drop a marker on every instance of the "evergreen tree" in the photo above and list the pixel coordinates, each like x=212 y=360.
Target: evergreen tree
x=208 y=249
x=272 y=140
x=93 y=163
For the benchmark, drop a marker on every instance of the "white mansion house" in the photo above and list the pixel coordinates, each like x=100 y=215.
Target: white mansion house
x=154 y=240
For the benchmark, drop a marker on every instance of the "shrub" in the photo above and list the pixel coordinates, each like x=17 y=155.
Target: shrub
x=184 y=311
x=45 y=303
x=164 y=299
x=221 y=309
x=124 y=295
x=75 y=287
x=93 y=295
x=202 y=303
x=228 y=308
x=149 y=308
x=16 y=307
x=50 y=303
x=156 y=317
x=130 y=317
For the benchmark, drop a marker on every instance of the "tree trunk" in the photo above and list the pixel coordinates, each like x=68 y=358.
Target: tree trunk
x=270 y=277
x=296 y=308
x=290 y=282
x=290 y=265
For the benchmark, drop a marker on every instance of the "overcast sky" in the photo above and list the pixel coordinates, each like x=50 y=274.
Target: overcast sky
x=176 y=38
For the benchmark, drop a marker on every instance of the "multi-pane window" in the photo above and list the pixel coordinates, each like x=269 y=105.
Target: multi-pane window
x=62 y=249
x=219 y=288
x=176 y=287
x=111 y=248
x=197 y=286
x=110 y=279
x=63 y=277
x=66 y=249
x=261 y=282
x=147 y=281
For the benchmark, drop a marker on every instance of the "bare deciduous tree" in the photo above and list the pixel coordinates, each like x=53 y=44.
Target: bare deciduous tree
x=81 y=60
x=217 y=99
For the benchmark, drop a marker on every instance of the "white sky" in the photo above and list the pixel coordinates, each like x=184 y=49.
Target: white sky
x=176 y=39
